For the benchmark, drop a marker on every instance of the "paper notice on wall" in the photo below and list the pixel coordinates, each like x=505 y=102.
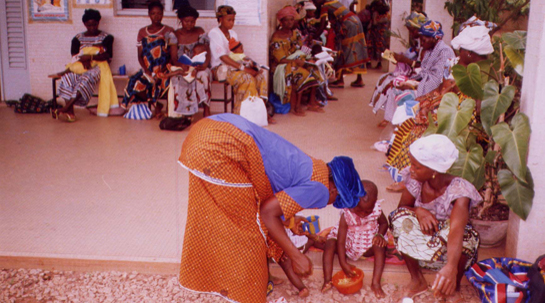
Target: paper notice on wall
x=248 y=12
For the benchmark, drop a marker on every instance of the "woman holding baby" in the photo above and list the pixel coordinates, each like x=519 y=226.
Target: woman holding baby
x=191 y=91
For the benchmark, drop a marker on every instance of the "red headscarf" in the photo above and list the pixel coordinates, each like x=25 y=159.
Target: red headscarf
x=286 y=12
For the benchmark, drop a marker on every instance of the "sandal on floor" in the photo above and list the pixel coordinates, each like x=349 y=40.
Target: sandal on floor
x=383 y=123
x=316 y=109
x=403 y=293
x=55 y=114
x=355 y=84
x=336 y=85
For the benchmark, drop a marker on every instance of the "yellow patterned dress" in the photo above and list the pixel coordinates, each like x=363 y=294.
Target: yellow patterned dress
x=234 y=166
x=296 y=77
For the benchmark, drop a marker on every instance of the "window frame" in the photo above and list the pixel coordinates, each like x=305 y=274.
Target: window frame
x=120 y=11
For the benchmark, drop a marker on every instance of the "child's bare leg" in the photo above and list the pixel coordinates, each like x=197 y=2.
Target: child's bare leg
x=380 y=257
x=327 y=259
x=285 y=263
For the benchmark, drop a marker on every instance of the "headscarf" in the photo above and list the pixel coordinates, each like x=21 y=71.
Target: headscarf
x=416 y=20
x=224 y=10
x=286 y=12
x=474 y=21
x=432 y=29
x=475 y=39
x=348 y=183
x=309 y=6
x=435 y=151
x=233 y=44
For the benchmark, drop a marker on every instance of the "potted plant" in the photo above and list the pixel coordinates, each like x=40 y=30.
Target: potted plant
x=493 y=153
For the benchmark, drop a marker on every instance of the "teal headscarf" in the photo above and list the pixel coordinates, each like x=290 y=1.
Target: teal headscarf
x=348 y=183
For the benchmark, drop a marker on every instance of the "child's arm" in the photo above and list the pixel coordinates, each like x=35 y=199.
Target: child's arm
x=341 y=247
x=380 y=239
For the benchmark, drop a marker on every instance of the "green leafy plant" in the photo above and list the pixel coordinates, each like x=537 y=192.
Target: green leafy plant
x=497 y=11
x=493 y=153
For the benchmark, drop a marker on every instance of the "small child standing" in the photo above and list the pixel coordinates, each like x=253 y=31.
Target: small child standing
x=360 y=233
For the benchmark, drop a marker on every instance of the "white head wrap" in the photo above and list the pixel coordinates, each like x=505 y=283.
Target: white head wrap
x=309 y=6
x=475 y=39
x=435 y=151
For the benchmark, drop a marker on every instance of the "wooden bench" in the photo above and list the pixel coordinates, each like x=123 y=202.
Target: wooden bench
x=227 y=98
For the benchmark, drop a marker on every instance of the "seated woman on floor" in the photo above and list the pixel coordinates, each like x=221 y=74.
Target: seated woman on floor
x=474 y=45
x=154 y=43
x=430 y=225
x=246 y=82
x=291 y=73
x=91 y=51
x=384 y=97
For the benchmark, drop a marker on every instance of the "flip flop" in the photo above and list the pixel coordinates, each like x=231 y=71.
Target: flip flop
x=354 y=84
x=336 y=85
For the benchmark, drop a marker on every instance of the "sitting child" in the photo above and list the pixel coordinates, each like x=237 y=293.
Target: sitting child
x=360 y=233
x=237 y=54
x=303 y=241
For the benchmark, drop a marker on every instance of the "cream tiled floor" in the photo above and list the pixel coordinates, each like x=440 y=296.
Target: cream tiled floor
x=107 y=193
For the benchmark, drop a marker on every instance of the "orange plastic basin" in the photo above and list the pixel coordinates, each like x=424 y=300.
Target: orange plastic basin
x=347 y=285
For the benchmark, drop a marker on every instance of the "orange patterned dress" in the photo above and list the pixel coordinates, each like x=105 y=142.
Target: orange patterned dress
x=234 y=165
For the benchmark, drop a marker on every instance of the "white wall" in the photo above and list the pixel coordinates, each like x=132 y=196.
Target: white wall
x=49 y=43
x=436 y=11
x=525 y=239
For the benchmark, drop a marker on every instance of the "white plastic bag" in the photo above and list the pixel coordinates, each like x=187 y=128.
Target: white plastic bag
x=253 y=108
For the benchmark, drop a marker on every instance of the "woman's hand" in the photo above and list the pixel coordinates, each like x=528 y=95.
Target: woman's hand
x=299 y=62
x=251 y=71
x=445 y=281
x=301 y=265
x=428 y=222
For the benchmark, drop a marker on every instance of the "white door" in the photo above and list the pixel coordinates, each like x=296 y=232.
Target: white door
x=15 y=75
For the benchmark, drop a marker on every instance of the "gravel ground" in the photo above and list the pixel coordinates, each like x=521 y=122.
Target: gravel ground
x=35 y=285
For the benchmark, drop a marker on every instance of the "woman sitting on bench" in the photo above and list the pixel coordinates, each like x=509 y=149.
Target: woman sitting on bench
x=91 y=51
x=155 y=51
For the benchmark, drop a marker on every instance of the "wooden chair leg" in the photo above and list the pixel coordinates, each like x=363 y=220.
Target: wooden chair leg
x=225 y=100
x=54 y=85
x=232 y=100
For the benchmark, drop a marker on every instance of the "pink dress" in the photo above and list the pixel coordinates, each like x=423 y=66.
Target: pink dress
x=361 y=231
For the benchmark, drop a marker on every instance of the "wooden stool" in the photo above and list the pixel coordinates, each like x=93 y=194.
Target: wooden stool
x=226 y=100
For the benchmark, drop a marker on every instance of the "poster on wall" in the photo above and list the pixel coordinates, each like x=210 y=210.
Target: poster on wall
x=92 y=3
x=248 y=12
x=49 y=10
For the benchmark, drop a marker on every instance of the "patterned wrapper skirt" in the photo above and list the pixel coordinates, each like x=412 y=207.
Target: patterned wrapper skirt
x=430 y=251
x=224 y=250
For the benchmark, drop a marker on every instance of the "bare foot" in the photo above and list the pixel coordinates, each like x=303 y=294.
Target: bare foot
x=303 y=293
x=377 y=290
x=455 y=298
x=383 y=123
x=298 y=113
x=327 y=286
x=271 y=120
x=414 y=289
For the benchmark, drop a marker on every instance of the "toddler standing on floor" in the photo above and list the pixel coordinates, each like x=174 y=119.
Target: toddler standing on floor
x=360 y=233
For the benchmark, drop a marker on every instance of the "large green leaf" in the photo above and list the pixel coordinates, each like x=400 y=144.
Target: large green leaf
x=451 y=119
x=519 y=196
x=469 y=162
x=516 y=58
x=490 y=156
x=514 y=143
x=516 y=39
x=495 y=104
x=432 y=129
x=484 y=66
x=469 y=80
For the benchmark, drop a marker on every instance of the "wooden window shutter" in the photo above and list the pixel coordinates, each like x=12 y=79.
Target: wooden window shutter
x=15 y=34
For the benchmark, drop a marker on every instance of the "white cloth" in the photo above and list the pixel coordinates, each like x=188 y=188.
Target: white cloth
x=219 y=45
x=435 y=151
x=309 y=6
x=475 y=39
